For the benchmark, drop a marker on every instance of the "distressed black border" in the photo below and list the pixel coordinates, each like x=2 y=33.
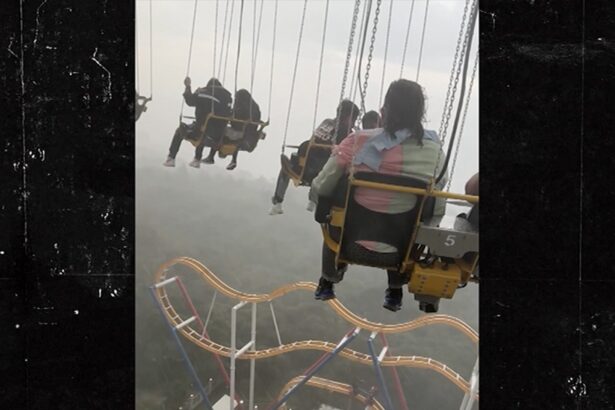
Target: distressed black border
x=546 y=147
x=546 y=305
x=67 y=178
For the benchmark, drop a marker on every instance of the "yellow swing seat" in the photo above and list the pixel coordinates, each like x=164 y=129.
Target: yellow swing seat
x=439 y=259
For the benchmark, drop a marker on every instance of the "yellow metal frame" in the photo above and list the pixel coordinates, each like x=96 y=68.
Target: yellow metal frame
x=298 y=178
x=228 y=149
x=440 y=277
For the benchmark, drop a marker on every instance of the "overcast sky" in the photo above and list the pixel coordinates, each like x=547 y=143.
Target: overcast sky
x=172 y=21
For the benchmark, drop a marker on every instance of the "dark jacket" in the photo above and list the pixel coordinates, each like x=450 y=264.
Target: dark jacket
x=242 y=112
x=206 y=100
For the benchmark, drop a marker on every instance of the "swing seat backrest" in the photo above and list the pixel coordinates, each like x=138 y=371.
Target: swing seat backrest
x=387 y=237
x=314 y=161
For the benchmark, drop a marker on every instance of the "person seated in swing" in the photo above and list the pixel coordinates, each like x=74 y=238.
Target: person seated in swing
x=371 y=120
x=140 y=104
x=402 y=147
x=211 y=99
x=244 y=108
x=325 y=133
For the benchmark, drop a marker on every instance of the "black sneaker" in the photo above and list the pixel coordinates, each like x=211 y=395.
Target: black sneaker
x=324 y=291
x=392 y=299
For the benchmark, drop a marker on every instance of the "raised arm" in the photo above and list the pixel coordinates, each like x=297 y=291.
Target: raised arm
x=188 y=95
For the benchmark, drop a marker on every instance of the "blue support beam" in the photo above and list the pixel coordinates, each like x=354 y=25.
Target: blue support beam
x=183 y=352
x=340 y=346
x=378 y=370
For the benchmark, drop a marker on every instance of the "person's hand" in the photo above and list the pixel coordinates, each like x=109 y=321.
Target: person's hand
x=187 y=82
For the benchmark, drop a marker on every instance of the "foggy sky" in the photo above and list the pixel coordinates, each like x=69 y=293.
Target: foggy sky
x=172 y=20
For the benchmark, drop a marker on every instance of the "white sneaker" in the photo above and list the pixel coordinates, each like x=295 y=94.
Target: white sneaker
x=311 y=206
x=195 y=163
x=276 y=209
x=170 y=162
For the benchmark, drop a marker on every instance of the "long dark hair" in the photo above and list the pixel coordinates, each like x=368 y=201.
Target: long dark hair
x=404 y=107
x=245 y=107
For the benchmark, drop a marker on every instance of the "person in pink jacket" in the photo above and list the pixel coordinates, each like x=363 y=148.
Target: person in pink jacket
x=401 y=147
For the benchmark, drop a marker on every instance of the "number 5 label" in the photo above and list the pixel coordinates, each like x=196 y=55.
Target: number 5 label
x=450 y=240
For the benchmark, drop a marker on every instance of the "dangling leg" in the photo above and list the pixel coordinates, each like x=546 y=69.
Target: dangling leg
x=210 y=157
x=174 y=148
x=198 y=154
x=280 y=190
x=233 y=163
x=330 y=272
x=394 y=293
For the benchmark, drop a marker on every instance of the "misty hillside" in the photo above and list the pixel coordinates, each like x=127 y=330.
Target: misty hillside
x=221 y=219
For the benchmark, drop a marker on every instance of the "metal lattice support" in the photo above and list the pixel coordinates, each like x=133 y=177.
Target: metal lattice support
x=470 y=397
x=236 y=353
x=349 y=337
x=376 y=361
x=180 y=346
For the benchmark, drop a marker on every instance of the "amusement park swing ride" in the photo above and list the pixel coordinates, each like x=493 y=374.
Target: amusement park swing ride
x=441 y=255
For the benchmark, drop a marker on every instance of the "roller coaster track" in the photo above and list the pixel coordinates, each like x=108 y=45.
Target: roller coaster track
x=335 y=387
x=201 y=341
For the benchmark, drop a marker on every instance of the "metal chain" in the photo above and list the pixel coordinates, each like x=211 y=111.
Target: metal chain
x=356 y=80
x=367 y=69
x=258 y=38
x=464 y=56
x=353 y=28
x=238 y=47
x=322 y=53
x=215 y=39
x=454 y=78
x=228 y=42
x=275 y=23
x=223 y=39
x=386 y=50
x=255 y=50
x=292 y=87
x=418 y=66
x=403 y=59
x=181 y=110
x=352 y=93
x=369 y=57
x=463 y=121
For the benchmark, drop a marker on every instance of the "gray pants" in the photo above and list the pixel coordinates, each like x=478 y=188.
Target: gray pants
x=280 y=188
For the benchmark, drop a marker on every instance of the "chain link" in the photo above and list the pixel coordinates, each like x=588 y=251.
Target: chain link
x=462 y=55
x=353 y=28
x=369 y=57
x=386 y=50
x=275 y=25
x=292 y=87
x=460 y=50
x=454 y=78
x=463 y=121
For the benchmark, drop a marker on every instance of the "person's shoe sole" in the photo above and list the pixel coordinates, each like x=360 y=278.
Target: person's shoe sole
x=392 y=308
x=324 y=298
